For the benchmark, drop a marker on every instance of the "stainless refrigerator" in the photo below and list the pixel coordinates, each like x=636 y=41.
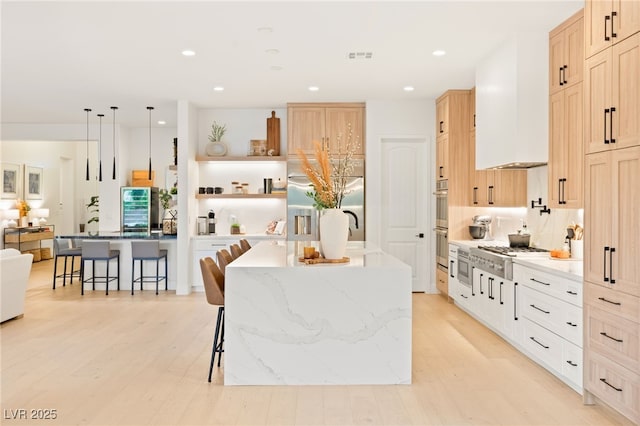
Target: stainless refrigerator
x=139 y=209
x=302 y=218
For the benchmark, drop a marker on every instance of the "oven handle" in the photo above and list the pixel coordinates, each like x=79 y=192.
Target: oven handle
x=440 y=193
x=440 y=231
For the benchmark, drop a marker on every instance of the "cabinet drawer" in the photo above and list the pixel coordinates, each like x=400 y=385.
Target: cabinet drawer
x=459 y=292
x=615 y=337
x=615 y=385
x=562 y=288
x=207 y=244
x=556 y=315
x=572 y=363
x=542 y=344
x=615 y=302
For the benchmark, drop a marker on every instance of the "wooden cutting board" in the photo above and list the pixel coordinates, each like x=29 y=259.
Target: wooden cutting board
x=273 y=134
x=323 y=260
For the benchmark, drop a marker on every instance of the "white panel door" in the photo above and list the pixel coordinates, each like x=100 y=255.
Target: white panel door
x=65 y=217
x=403 y=213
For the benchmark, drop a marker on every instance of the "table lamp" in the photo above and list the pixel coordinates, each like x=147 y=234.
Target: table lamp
x=39 y=216
x=12 y=215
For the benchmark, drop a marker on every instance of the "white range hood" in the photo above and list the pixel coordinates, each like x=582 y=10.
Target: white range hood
x=512 y=98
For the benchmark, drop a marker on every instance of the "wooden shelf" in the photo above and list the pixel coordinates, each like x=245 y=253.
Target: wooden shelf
x=208 y=159
x=228 y=196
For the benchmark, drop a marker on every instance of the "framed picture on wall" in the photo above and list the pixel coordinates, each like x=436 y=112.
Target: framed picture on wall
x=33 y=183
x=11 y=180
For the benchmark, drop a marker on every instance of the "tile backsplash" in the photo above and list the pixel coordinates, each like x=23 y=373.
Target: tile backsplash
x=547 y=230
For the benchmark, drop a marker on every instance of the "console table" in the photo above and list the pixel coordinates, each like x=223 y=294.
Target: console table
x=19 y=236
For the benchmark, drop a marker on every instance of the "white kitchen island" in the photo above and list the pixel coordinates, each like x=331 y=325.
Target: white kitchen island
x=287 y=323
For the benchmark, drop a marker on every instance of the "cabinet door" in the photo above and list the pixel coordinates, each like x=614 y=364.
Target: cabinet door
x=472 y=111
x=557 y=148
x=479 y=189
x=509 y=188
x=442 y=282
x=337 y=122
x=627 y=19
x=556 y=62
x=305 y=125
x=625 y=222
x=442 y=151
x=626 y=93
x=597 y=28
x=442 y=116
x=572 y=186
x=598 y=216
x=574 y=53
x=597 y=85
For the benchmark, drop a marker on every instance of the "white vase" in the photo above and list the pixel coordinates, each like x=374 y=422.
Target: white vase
x=334 y=233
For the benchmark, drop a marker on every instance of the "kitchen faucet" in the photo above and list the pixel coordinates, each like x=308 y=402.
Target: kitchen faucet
x=355 y=219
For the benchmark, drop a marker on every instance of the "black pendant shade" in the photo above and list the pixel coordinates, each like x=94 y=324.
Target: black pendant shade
x=150 y=109
x=87 y=110
x=113 y=174
x=100 y=147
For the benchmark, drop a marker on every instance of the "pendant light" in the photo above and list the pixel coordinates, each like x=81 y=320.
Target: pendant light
x=113 y=174
x=88 y=110
x=150 y=109
x=100 y=147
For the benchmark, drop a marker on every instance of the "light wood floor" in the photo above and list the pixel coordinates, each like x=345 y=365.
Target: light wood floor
x=143 y=360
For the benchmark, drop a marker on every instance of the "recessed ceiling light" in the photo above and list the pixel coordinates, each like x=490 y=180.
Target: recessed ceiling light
x=188 y=52
x=272 y=51
x=276 y=68
x=313 y=88
x=408 y=88
x=265 y=30
x=162 y=122
x=438 y=53
x=218 y=89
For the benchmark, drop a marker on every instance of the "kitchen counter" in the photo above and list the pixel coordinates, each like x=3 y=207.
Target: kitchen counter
x=566 y=268
x=219 y=236
x=296 y=324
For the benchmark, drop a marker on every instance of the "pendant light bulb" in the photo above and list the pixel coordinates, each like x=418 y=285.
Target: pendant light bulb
x=150 y=109
x=87 y=110
x=100 y=147
x=113 y=174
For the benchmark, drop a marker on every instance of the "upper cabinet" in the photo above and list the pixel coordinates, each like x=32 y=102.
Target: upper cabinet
x=499 y=188
x=608 y=22
x=442 y=116
x=512 y=103
x=566 y=53
x=325 y=123
x=612 y=97
x=472 y=110
x=565 y=113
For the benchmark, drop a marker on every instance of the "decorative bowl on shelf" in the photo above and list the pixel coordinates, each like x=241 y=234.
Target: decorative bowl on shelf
x=216 y=149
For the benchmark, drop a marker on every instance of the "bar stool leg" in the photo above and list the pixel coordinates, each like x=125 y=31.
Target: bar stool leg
x=55 y=269
x=221 y=337
x=93 y=275
x=64 y=273
x=157 y=275
x=107 y=279
x=118 y=265
x=166 y=275
x=82 y=261
x=133 y=270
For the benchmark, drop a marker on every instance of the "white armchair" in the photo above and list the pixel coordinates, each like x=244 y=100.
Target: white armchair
x=15 y=268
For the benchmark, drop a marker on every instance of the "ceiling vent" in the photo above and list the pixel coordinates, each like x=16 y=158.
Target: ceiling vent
x=360 y=55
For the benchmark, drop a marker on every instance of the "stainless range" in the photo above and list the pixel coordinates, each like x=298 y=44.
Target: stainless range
x=498 y=260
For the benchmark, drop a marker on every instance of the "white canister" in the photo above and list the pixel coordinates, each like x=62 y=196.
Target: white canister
x=577 y=249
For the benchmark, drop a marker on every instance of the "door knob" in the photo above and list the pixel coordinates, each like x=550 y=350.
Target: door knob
x=420 y=235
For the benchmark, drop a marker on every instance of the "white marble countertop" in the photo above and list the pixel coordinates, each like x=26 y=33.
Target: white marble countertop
x=567 y=268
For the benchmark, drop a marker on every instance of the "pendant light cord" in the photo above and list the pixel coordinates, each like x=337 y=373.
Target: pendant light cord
x=100 y=148
x=150 y=109
x=88 y=110
x=113 y=174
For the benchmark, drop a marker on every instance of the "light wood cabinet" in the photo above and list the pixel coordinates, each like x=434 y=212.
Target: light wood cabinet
x=499 y=188
x=566 y=148
x=325 y=123
x=442 y=116
x=472 y=110
x=608 y=22
x=612 y=97
x=566 y=53
x=442 y=156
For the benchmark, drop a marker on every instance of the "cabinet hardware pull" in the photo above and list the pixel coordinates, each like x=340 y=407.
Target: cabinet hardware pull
x=606 y=37
x=573 y=364
x=611 y=280
x=533 y=338
x=515 y=301
x=612 y=33
x=571 y=324
x=564 y=181
x=481 y=292
x=606 y=111
x=490 y=194
x=539 y=282
x=441 y=123
x=451 y=269
x=612 y=110
x=472 y=292
x=541 y=310
x=441 y=167
x=610 y=385
x=573 y=293
x=475 y=195
x=474 y=121
x=606 y=279
x=603 y=333
x=462 y=295
x=501 y=284
x=609 y=301
x=559 y=191
x=564 y=74
x=560 y=76
x=491 y=288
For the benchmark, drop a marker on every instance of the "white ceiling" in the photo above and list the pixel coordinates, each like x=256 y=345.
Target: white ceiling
x=61 y=57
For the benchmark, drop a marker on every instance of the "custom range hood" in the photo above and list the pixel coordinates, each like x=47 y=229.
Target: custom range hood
x=512 y=102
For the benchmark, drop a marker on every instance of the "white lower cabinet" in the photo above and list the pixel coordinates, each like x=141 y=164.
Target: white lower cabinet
x=491 y=302
x=550 y=322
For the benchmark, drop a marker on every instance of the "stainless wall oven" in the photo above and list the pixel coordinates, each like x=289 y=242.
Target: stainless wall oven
x=442 y=206
x=442 y=248
x=464 y=267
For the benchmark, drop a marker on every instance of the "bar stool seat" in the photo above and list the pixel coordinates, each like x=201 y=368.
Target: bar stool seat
x=213 y=280
x=99 y=251
x=148 y=250
x=61 y=248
